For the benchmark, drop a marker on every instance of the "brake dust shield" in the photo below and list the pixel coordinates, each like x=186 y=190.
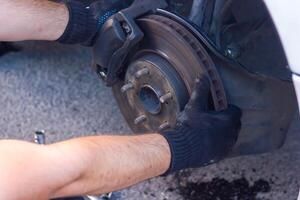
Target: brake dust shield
x=160 y=75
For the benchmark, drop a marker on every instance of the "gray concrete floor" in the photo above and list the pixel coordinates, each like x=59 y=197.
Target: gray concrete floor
x=51 y=87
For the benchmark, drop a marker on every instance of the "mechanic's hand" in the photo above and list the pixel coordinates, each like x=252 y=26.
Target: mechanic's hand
x=202 y=136
x=102 y=10
x=87 y=17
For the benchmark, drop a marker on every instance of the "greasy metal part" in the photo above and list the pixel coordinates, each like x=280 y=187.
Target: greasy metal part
x=174 y=58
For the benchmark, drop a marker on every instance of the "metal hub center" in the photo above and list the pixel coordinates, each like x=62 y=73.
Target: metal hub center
x=154 y=90
x=150 y=99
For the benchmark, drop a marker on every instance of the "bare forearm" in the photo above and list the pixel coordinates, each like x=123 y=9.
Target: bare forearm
x=92 y=165
x=30 y=168
x=113 y=163
x=32 y=20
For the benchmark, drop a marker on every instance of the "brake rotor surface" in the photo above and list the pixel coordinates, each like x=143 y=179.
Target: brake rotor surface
x=161 y=74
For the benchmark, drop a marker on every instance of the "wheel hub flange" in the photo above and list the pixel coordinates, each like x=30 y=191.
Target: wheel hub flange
x=157 y=91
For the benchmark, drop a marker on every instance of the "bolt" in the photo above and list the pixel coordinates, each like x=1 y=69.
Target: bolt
x=126 y=28
x=233 y=51
x=140 y=119
x=102 y=74
x=142 y=72
x=126 y=87
x=165 y=97
x=164 y=126
x=39 y=137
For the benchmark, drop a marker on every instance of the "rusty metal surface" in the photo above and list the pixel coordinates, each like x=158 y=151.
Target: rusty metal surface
x=177 y=47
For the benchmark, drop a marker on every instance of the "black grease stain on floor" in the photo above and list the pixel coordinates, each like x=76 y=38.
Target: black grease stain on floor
x=221 y=189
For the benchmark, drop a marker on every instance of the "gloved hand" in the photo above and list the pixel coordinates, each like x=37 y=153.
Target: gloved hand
x=202 y=136
x=85 y=21
x=102 y=10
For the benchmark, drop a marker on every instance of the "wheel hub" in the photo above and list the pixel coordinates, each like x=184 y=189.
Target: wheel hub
x=160 y=75
x=154 y=90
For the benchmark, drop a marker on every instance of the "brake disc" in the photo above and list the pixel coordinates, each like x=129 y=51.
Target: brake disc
x=160 y=75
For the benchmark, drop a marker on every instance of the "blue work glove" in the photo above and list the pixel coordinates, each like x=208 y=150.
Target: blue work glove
x=202 y=136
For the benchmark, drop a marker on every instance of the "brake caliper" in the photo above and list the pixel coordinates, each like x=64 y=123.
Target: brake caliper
x=118 y=36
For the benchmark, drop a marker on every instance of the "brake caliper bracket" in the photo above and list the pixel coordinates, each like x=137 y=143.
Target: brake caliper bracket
x=118 y=36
